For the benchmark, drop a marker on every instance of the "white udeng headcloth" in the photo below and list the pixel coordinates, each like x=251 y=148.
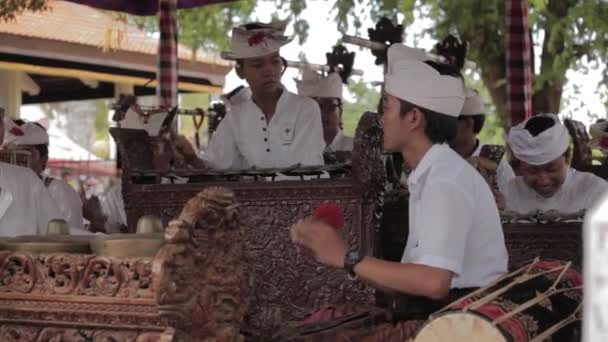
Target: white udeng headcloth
x=541 y=149
x=473 y=103
x=315 y=85
x=414 y=81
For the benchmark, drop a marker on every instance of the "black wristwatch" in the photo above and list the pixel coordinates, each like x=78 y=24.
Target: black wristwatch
x=351 y=259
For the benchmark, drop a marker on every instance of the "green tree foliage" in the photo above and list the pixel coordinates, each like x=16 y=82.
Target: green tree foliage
x=366 y=99
x=10 y=8
x=564 y=30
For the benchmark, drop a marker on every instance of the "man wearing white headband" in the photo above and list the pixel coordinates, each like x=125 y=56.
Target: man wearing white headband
x=455 y=240
x=327 y=91
x=272 y=127
x=36 y=141
x=25 y=204
x=470 y=122
x=541 y=144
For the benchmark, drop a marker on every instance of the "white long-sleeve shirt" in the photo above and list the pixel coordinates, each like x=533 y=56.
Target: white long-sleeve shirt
x=580 y=191
x=26 y=206
x=67 y=200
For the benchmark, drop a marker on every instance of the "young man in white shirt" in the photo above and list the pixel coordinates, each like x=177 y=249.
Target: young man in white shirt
x=272 y=128
x=455 y=236
x=327 y=91
x=547 y=183
x=25 y=204
x=470 y=122
x=35 y=140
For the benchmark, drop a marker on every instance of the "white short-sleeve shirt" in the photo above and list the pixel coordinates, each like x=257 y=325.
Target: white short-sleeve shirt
x=580 y=191
x=26 y=206
x=454 y=223
x=245 y=139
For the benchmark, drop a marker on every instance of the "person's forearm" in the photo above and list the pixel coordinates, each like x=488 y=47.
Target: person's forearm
x=410 y=279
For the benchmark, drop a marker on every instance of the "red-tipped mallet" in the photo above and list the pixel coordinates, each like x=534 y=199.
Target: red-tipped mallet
x=330 y=213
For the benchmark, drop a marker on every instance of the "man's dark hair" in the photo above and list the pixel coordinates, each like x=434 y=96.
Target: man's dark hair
x=478 y=121
x=538 y=124
x=440 y=128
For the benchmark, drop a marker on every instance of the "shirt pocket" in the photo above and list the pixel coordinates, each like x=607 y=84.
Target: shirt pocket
x=287 y=134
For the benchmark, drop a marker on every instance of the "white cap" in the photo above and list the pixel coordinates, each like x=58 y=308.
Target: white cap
x=27 y=134
x=315 y=85
x=257 y=42
x=473 y=103
x=541 y=149
x=414 y=81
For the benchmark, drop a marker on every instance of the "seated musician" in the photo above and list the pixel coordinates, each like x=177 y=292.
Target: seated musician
x=541 y=145
x=455 y=238
x=327 y=91
x=35 y=140
x=26 y=206
x=466 y=144
x=273 y=127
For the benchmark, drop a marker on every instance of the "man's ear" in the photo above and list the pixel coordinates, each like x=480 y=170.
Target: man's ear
x=417 y=118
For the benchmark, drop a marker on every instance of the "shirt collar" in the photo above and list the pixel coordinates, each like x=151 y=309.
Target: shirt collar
x=336 y=139
x=425 y=164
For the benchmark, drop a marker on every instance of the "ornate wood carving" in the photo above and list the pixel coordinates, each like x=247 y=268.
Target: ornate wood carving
x=289 y=282
x=198 y=285
x=581 y=154
x=525 y=241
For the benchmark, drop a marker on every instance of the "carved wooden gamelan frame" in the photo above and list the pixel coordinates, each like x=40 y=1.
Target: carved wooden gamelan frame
x=289 y=282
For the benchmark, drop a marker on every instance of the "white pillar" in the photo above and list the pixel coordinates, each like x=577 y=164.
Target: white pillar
x=10 y=92
x=595 y=268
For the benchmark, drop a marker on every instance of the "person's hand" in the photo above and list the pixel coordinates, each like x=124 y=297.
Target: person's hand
x=487 y=164
x=324 y=241
x=183 y=148
x=91 y=210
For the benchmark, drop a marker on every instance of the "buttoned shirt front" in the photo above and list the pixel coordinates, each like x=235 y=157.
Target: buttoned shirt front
x=580 y=191
x=454 y=223
x=26 y=206
x=245 y=139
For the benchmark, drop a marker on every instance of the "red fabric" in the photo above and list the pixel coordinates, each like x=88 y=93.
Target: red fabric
x=330 y=213
x=16 y=131
x=256 y=39
x=518 y=61
x=167 y=54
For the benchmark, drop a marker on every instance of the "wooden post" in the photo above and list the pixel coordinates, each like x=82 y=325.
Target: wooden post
x=10 y=92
